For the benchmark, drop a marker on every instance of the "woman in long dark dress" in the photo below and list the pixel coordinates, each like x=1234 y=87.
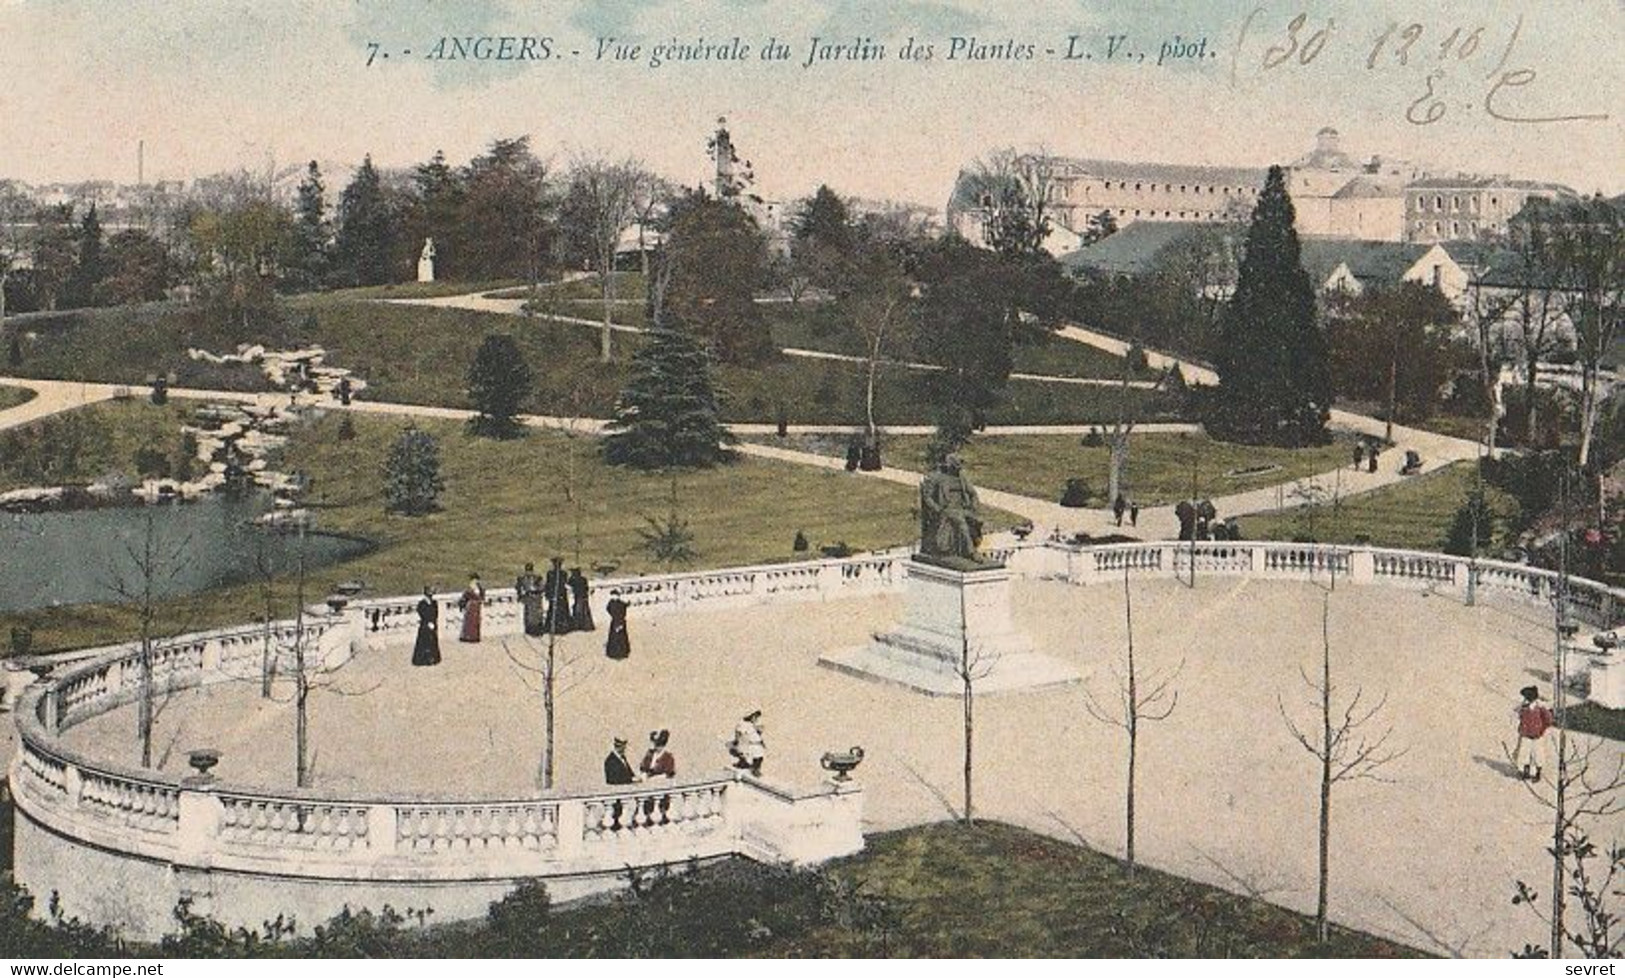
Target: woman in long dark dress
x=471 y=602
x=581 y=608
x=426 y=652
x=619 y=643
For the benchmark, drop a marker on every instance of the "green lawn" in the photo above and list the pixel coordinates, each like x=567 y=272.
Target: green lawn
x=424 y=290
x=10 y=397
x=1159 y=465
x=98 y=442
x=510 y=502
x=822 y=326
x=1413 y=514
x=628 y=285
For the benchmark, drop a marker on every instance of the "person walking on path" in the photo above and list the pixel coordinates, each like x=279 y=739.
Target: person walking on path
x=1133 y=514
x=426 y=651
x=1534 y=719
x=619 y=643
x=471 y=602
x=1359 y=455
x=748 y=748
x=1119 y=506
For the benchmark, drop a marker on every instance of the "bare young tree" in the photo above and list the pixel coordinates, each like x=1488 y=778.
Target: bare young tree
x=1012 y=192
x=551 y=666
x=650 y=198
x=603 y=198
x=975 y=664
x=1341 y=748
x=1515 y=297
x=879 y=304
x=1138 y=702
x=307 y=675
x=1123 y=428
x=1582 y=789
x=152 y=563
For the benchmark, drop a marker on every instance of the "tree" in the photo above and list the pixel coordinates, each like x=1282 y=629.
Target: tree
x=550 y=669
x=974 y=664
x=238 y=234
x=54 y=257
x=880 y=305
x=499 y=381
x=138 y=269
x=309 y=264
x=1512 y=290
x=964 y=327
x=1584 y=260
x=506 y=224
x=1274 y=380
x=435 y=211
x=15 y=210
x=1472 y=528
x=1148 y=702
x=1118 y=440
x=668 y=414
x=714 y=261
x=90 y=263
x=1582 y=788
x=152 y=564
x=1099 y=227
x=1011 y=192
x=668 y=539
x=367 y=230
x=650 y=199
x=599 y=206
x=412 y=482
x=1394 y=344
x=1341 y=750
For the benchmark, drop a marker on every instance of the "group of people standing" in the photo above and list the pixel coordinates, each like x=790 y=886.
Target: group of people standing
x=555 y=604
x=566 y=607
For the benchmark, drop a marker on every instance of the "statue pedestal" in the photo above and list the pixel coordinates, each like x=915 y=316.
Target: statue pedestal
x=946 y=609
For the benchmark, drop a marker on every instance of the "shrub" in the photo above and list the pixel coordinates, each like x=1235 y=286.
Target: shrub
x=412 y=482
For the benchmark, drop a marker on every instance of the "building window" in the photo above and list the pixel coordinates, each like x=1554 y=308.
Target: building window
x=1455 y=228
x=1108 y=185
x=1136 y=212
x=1438 y=275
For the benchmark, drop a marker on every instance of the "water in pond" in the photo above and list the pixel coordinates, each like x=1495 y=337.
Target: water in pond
x=83 y=556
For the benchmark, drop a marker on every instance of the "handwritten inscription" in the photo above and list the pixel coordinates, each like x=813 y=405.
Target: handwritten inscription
x=1447 y=60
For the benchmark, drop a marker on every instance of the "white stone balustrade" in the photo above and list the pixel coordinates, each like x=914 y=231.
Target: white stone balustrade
x=83 y=818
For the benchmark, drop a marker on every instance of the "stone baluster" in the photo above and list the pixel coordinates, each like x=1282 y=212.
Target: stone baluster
x=1362 y=566
x=200 y=815
x=572 y=828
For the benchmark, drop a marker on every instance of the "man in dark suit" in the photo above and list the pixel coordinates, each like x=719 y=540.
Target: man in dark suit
x=617 y=769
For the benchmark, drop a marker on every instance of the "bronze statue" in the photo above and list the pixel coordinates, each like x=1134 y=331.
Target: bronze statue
x=949 y=526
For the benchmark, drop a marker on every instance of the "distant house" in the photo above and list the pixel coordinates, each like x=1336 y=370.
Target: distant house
x=1131 y=251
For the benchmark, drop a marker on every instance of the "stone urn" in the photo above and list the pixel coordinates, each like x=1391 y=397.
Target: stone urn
x=842 y=763
x=202 y=761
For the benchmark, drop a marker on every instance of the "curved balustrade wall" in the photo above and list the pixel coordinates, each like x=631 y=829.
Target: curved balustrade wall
x=120 y=845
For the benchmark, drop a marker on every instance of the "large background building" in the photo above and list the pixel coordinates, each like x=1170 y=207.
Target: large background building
x=1335 y=196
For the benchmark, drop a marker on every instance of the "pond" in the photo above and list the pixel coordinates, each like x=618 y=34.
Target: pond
x=92 y=555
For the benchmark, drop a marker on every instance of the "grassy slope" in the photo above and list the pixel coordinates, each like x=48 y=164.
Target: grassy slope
x=1415 y=513
x=1159 y=465
x=997 y=891
x=505 y=503
x=421 y=355
x=110 y=434
x=10 y=397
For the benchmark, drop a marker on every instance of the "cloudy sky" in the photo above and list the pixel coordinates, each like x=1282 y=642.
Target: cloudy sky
x=217 y=84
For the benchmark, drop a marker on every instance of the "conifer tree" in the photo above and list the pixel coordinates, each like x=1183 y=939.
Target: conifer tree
x=90 y=267
x=412 y=482
x=312 y=237
x=1274 y=378
x=499 y=380
x=668 y=416
x=366 y=237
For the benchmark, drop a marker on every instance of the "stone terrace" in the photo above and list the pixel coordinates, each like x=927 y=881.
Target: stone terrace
x=1226 y=795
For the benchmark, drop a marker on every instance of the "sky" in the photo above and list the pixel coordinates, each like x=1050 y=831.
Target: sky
x=213 y=85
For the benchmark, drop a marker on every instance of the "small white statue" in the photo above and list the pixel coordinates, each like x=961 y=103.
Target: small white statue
x=426 y=261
